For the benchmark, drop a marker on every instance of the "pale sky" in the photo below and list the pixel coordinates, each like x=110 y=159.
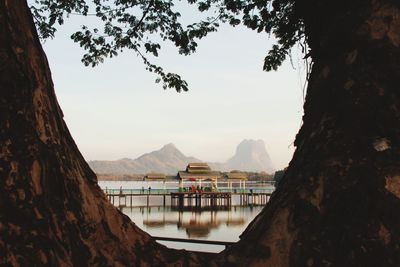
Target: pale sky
x=116 y=110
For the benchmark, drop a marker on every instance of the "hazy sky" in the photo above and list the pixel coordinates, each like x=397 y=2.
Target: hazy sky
x=116 y=110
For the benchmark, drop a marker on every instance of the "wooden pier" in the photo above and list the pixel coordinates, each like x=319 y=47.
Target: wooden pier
x=200 y=199
x=223 y=199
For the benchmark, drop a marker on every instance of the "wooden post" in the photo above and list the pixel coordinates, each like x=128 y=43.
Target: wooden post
x=200 y=200
x=180 y=201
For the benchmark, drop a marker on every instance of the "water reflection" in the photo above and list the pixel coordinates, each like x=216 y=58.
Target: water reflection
x=222 y=225
x=156 y=216
x=198 y=226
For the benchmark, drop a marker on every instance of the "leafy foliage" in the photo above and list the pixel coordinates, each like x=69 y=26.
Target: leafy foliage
x=140 y=25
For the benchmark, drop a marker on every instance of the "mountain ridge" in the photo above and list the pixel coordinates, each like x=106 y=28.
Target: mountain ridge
x=251 y=155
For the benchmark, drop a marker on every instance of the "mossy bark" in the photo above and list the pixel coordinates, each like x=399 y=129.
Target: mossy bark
x=339 y=202
x=52 y=212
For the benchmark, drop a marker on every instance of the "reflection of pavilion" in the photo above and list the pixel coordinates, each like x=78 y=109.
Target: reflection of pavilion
x=198 y=225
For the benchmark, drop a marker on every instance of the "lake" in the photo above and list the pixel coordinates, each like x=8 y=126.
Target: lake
x=218 y=225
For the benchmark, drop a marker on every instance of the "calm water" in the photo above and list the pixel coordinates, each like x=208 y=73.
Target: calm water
x=220 y=225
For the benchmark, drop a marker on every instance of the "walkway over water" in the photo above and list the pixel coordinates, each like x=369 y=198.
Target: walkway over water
x=188 y=226
x=179 y=198
x=255 y=190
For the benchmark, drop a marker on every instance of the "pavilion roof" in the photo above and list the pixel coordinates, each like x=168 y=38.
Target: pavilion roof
x=198 y=164
x=155 y=176
x=184 y=175
x=198 y=167
x=237 y=175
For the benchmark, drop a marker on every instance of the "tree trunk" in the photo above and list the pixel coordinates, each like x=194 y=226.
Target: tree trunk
x=339 y=202
x=52 y=212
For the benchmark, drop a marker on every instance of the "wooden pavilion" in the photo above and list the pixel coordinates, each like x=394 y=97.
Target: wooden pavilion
x=236 y=177
x=156 y=177
x=198 y=173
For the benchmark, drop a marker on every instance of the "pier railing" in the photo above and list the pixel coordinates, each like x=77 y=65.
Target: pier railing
x=255 y=190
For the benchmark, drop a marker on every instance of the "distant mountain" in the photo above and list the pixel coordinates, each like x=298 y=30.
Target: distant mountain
x=167 y=160
x=251 y=155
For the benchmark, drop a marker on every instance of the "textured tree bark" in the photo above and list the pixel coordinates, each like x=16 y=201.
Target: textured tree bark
x=52 y=212
x=338 y=205
x=339 y=202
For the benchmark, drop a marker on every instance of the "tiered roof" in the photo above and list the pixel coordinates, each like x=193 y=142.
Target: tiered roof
x=236 y=175
x=198 y=171
x=198 y=167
